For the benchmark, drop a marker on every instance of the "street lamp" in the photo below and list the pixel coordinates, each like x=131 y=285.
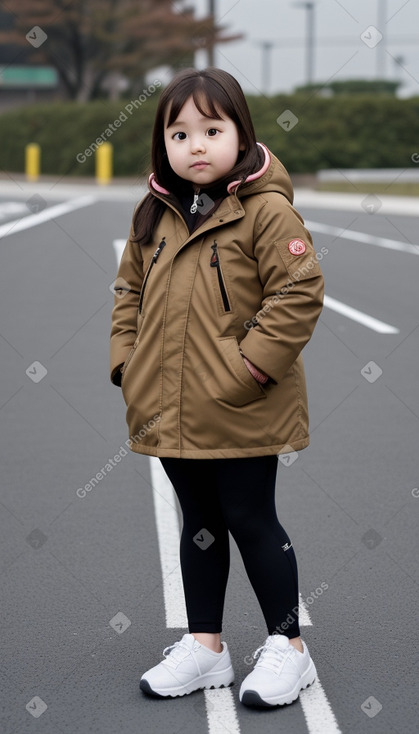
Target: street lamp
x=309 y=7
x=266 y=47
x=381 y=47
x=210 y=52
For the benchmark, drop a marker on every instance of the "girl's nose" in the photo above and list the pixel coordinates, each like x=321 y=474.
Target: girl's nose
x=197 y=145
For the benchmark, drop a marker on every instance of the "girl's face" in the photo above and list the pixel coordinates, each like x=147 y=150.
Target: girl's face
x=200 y=149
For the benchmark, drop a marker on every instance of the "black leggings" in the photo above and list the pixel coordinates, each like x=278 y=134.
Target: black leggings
x=236 y=495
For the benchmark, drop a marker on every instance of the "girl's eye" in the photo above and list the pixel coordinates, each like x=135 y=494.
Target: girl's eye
x=179 y=136
x=212 y=131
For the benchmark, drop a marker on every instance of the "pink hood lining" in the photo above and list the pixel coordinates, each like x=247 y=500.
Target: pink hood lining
x=253 y=176
x=153 y=183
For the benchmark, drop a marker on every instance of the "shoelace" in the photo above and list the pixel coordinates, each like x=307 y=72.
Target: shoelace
x=177 y=652
x=271 y=657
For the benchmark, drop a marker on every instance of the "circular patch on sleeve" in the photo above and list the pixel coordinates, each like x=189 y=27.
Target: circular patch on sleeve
x=297 y=247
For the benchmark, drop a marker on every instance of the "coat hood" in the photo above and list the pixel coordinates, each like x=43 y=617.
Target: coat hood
x=272 y=176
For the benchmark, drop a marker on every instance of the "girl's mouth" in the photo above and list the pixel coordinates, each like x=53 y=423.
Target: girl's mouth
x=200 y=165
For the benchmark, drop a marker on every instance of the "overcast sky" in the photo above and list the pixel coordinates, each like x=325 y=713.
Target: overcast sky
x=339 y=51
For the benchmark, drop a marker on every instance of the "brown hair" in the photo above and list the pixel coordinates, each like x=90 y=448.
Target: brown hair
x=215 y=93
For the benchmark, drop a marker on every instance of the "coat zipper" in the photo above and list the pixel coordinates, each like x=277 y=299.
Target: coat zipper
x=215 y=263
x=194 y=205
x=153 y=260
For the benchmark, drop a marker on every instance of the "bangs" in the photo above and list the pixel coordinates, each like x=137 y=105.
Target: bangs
x=207 y=101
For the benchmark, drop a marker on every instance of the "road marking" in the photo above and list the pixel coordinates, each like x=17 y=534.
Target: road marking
x=368 y=239
x=362 y=318
x=221 y=711
x=52 y=212
x=12 y=208
x=168 y=536
x=219 y=703
x=317 y=710
x=118 y=246
x=303 y=615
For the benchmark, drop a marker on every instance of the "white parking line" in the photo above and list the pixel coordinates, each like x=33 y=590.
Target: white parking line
x=362 y=318
x=221 y=711
x=168 y=535
x=317 y=710
x=12 y=208
x=118 y=246
x=51 y=212
x=368 y=239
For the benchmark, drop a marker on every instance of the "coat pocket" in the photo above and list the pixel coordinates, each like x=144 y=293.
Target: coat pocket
x=129 y=358
x=133 y=348
x=233 y=384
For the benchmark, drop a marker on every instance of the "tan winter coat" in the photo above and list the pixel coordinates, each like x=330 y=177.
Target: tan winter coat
x=247 y=279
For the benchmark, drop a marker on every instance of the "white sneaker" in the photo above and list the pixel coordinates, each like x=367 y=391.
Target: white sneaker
x=188 y=666
x=279 y=675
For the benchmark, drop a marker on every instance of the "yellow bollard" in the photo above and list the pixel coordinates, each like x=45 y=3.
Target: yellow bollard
x=32 y=161
x=104 y=160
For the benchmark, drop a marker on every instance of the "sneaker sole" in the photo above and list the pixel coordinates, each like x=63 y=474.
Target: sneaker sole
x=253 y=698
x=174 y=693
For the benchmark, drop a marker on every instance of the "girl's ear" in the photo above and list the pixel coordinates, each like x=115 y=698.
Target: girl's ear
x=242 y=146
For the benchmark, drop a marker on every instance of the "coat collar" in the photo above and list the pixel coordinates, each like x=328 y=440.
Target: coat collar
x=230 y=210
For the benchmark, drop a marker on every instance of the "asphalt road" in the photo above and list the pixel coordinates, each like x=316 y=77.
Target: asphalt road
x=74 y=566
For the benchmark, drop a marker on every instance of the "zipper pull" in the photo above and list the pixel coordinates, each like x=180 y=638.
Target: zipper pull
x=159 y=249
x=194 y=205
x=214 y=256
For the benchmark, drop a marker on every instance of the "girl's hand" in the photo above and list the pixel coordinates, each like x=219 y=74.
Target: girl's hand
x=255 y=372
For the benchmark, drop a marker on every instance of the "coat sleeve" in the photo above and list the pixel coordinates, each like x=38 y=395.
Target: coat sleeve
x=292 y=288
x=127 y=288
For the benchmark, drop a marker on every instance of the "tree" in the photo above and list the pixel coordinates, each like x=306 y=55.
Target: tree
x=89 y=41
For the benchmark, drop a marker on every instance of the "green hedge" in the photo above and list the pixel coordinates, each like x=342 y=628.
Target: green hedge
x=338 y=132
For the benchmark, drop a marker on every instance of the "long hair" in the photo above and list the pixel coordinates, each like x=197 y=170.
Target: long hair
x=215 y=93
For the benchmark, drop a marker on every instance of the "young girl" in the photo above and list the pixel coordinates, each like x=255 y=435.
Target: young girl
x=218 y=291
